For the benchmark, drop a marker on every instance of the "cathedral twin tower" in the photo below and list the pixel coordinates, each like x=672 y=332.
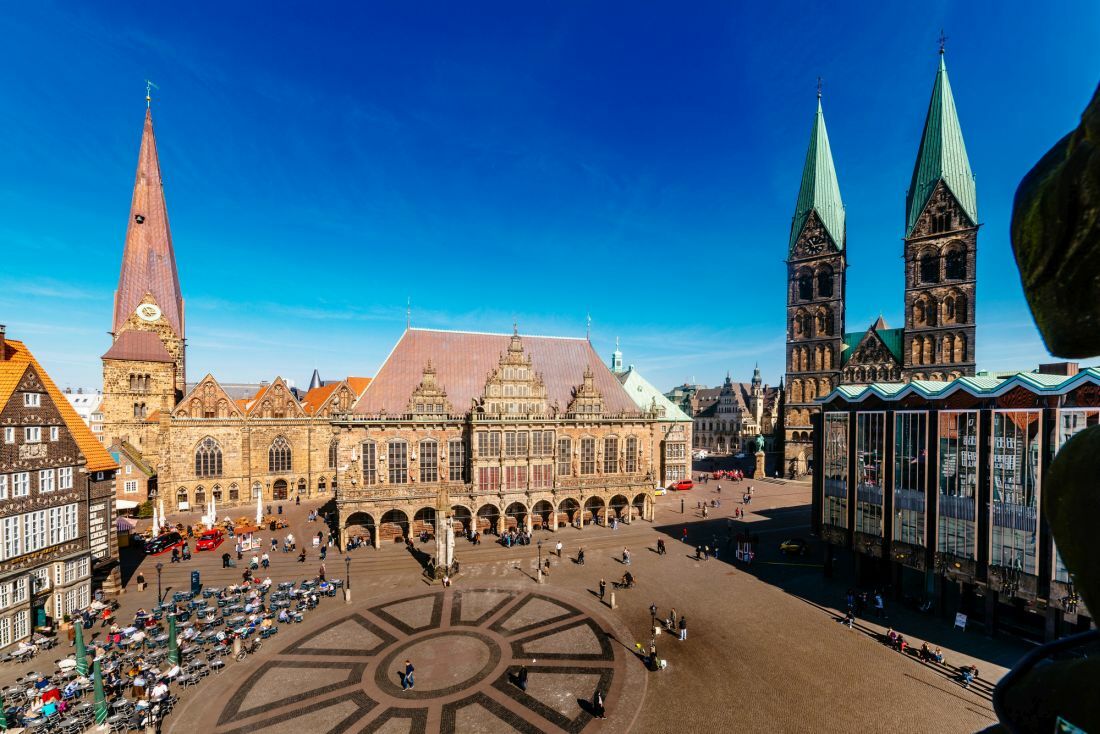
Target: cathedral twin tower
x=940 y=253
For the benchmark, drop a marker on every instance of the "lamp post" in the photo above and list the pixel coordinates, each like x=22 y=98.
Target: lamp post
x=160 y=567
x=347 y=580
x=538 y=571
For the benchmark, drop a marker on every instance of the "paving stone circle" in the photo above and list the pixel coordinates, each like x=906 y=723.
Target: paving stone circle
x=467 y=646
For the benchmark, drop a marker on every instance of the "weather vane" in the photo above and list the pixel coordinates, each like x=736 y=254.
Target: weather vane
x=588 y=327
x=149 y=87
x=943 y=41
x=819 y=87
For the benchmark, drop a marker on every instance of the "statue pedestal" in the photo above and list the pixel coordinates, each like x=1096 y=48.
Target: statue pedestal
x=760 y=472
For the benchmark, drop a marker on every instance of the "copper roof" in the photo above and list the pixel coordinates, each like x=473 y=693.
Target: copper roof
x=148 y=262
x=13 y=364
x=139 y=346
x=463 y=361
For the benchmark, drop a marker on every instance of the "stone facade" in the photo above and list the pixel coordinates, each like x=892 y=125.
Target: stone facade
x=737 y=414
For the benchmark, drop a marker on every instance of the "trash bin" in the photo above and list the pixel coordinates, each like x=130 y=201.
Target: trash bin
x=196 y=583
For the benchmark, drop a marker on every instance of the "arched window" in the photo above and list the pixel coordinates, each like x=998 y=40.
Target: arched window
x=234 y=493
x=824 y=322
x=332 y=449
x=929 y=268
x=955 y=265
x=926 y=351
x=181 y=497
x=824 y=282
x=208 y=458
x=200 y=498
x=216 y=492
x=914 y=347
x=805 y=285
x=828 y=357
x=321 y=485
x=811 y=391
x=257 y=489
x=960 y=348
x=796 y=391
x=279 y=456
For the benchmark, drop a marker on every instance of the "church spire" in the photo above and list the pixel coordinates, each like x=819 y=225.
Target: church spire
x=820 y=191
x=941 y=157
x=148 y=261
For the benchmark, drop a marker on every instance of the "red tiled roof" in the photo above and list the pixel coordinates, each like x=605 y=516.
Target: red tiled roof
x=13 y=364
x=359 y=384
x=316 y=397
x=463 y=361
x=148 y=261
x=140 y=346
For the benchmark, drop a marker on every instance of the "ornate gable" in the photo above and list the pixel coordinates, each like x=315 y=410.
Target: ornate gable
x=814 y=240
x=276 y=401
x=429 y=398
x=207 y=400
x=941 y=214
x=513 y=386
x=587 y=400
x=872 y=361
x=341 y=400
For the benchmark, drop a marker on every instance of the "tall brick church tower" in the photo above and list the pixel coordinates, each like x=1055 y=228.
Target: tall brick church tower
x=143 y=371
x=816 y=265
x=941 y=245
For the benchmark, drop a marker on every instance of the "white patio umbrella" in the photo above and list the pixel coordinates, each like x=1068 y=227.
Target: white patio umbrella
x=213 y=511
x=156 y=522
x=259 y=507
x=163 y=517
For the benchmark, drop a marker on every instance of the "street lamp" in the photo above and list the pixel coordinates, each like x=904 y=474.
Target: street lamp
x=347 y=580
x=160 y=567
x=538 y=571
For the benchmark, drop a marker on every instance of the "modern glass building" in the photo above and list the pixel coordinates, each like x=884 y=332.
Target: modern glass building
x=934 y=489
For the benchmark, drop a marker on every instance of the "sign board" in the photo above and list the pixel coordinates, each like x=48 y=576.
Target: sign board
x=960 y=620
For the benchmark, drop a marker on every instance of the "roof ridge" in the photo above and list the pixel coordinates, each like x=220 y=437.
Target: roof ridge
x=495 y=333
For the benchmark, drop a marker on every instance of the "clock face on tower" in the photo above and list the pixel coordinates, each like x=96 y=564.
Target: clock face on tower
x=813 y=245
x=148 y=312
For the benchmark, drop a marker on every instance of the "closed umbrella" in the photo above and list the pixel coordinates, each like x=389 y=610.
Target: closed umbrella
x=81 y=650
x=173 y=644
x=213 y=510
x=156 y=523
x=259 y=507
x=163 y=517
x=100 y=697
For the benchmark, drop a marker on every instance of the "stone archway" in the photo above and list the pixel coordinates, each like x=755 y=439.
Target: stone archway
x=360 y=524
x=641 y=508
x=462 y=518
x=279 y=490
x=423 y=522
x=542 y=514
x=394 y=526
x=488 y=519
x=515 y=516
x=568 y=511
x=619 y=505
x=594 y=510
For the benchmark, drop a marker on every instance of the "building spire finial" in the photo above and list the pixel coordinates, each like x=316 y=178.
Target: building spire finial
x=408 y=312
x=943 y=41
x=588 y=327
x=149 y=87
x=819 y=87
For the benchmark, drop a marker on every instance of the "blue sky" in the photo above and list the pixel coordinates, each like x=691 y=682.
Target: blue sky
x=503 y=161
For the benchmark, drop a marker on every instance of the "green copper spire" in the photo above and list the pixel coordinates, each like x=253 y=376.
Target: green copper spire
x=820 y=191
x=942 y=156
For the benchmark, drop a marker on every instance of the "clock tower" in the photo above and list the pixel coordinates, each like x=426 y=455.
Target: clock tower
x=816 y=265
x=144 y=370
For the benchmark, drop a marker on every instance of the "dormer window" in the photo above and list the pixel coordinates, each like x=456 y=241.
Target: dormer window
x=139 y=218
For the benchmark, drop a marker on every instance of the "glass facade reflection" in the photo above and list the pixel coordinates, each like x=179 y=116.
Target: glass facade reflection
x=870 y=454
x=1014 y=471
x=957 y=523
x=910 y=473
x=835 y=505
x=1070 y=423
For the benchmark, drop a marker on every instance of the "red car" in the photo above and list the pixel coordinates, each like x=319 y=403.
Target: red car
x=683 y=484
x=210 y=540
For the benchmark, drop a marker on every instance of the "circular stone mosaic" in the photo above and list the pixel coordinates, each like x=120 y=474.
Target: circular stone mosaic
x=467 y=646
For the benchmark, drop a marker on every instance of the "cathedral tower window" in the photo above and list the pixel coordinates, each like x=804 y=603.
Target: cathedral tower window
x=397 y=458
x=208 y=458
x=824 y=321
x=279 y=456
x=369 y=451
x=805 y=285
x=959 y=348
x=824 y=282
x=955 y=265
x=929 y=268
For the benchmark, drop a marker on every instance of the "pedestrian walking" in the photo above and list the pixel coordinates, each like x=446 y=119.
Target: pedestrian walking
x=626 y=557
x=240 y=551
x=603 y=588
x=683 y=628
x=684 y=535
x=407 y=680
x=321 y=573
x=660 y=546
x=559 y=547
x=298 y=500
x=598 y=704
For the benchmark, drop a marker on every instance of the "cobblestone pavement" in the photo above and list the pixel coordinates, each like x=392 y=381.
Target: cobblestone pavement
x=765 y=649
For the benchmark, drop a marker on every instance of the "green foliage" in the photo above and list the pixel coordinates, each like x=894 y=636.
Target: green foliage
x=145 y=509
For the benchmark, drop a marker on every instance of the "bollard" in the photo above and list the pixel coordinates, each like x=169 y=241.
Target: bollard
x=347 y=595
x=538 y=575
x=611 y=602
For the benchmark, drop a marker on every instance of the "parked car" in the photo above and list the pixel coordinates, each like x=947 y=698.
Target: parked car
x=163 y=543
x=660 y=492
x=682 y=485
x=700 y=454
x=210 y=540
x=794 y=547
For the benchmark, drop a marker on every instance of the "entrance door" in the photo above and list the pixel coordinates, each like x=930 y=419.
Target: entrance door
x=278 y=489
